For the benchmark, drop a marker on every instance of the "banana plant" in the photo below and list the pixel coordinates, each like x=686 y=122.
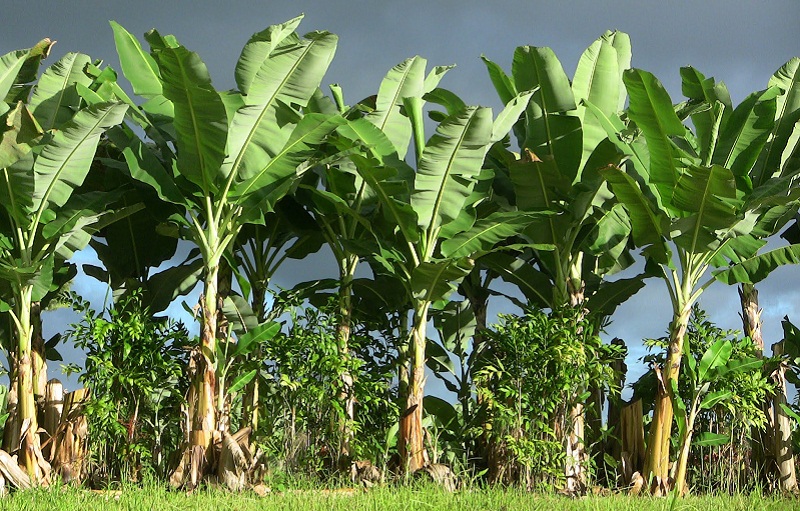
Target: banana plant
x=456 y=323
x=563 y=148
x=692 y=207
x=225 y=157
x=429 y=231
x=345 y=206
x=566 y=255
x=242 y=353
x=49 y=139
x=259 y=251
x=778 y=159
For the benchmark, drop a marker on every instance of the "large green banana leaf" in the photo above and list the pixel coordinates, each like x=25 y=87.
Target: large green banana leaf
x=745 y=134
x=707 y=93
x=564 y=148
x=648 y=223
x=55 y=97
x=552 y=128
x=486 y=234
x=276 y=69
x=598 y=79
x=652 y=111
x=64 y=161
x=269 y=183
x=613 y=294
x=450 y=163
x=138 y=65
x=10 y=67
x=787 y=116
x=200 y=120
x=757 y=268
x=436 y=280
x=535 y=285
x=404 y=80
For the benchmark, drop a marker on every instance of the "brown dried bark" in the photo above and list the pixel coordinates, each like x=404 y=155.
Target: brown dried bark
x=69 y=442
x=631 y=435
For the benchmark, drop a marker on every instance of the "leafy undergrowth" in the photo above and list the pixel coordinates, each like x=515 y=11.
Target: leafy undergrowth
x=389 y=499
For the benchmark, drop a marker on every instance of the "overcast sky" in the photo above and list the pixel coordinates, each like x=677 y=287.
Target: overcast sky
x=739 y=42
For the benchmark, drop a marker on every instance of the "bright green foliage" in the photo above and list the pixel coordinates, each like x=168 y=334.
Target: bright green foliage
x=44 y=218
x=240 y=150
x=49 y=138
x=273 y=169
x=135 y=369
x=225 y=158
x=435 y=202
x=719 y=400
x=302 y=380
x=691 y=201
x=539 y=365
x=698 y=191
x=691 y=195
x=775 y=169
x=424 y=207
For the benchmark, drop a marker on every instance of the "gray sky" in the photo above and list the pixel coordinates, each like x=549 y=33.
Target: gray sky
x=739 y=42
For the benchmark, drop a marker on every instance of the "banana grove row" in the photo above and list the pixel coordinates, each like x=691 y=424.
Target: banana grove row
x=553 y=194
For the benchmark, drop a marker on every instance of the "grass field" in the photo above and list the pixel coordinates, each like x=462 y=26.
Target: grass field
x=390 y=499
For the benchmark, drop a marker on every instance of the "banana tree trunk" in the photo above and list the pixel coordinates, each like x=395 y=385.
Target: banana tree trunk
x=38 y=356
x=402 y=357
x=751 y=315
x=413 y=455
x=574 y=445
x=485 y=446
x=343 y=330
x=204 y=381
x=224 y=283
x=250 y=405
x=250 y=415
x=761 y=439
x=658 y=438
x=30 y=449
x=682 y=463
x=613 y=445
x=478 y=446
x=782 y=436
x=576 y=451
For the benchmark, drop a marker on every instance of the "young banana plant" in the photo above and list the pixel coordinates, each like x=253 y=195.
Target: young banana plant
x=567 y=254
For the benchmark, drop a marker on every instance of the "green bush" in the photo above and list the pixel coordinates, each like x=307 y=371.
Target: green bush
x=302 y=409
x=539 y=367
x=135 y=369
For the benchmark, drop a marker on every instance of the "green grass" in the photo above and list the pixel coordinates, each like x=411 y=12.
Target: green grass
x=390 y=499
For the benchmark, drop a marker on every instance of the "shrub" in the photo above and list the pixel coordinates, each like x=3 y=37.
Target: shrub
x=135 y=366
